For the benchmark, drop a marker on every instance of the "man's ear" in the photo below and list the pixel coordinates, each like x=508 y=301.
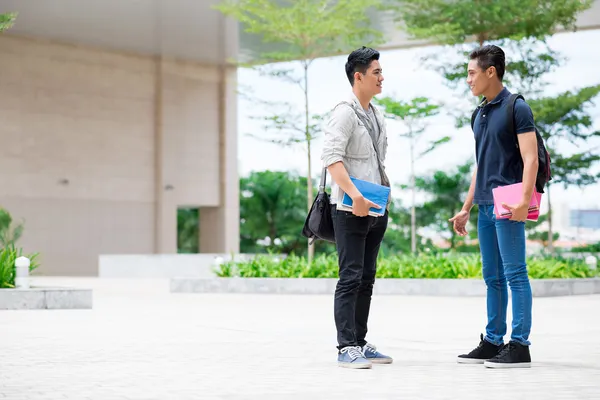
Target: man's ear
x=491 y=71
x=357 y=76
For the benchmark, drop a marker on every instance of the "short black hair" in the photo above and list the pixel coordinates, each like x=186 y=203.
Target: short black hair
x=359 y=61
x=490 y=56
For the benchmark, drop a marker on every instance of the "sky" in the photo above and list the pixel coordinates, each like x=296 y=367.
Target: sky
x=405 y=78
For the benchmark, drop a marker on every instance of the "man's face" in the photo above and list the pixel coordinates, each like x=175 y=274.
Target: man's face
x=477 y=79
x=371 y=82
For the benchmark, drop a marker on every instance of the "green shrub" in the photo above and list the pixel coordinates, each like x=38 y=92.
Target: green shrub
x=8 y=255
x=590 y=248
x=428 y=266
x=9 y=235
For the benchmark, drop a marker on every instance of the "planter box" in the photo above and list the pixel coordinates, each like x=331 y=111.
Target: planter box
x=155 y=266
x=37 y=298
x=408 y=287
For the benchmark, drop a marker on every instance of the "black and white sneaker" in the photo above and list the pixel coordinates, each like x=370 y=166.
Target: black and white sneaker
x=513 y=355
x=484 y=351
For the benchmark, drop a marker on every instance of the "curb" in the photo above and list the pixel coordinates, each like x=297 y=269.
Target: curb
x=407 y=287
x=45 y=298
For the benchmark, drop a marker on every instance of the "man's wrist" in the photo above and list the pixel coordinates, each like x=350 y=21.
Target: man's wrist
x=467 y=208
x=355 y=196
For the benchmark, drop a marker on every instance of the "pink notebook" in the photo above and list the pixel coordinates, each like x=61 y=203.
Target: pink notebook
x=512 y=194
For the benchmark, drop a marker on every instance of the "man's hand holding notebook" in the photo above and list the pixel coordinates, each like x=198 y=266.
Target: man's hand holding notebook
x=377 y=194
x=506 y=199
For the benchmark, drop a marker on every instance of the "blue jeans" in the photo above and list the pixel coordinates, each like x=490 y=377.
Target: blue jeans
x=502 y=244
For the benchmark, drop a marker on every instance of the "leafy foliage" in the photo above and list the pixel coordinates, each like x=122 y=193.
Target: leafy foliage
x=305 y=29
x=9 y=234
x=272 y=213
x=446 y=191
x=413 y=114
x=457 y=21
x=8 y=255
x=534 y=233
x=422 y=266
x=9 y=252
x=7 y=20
x=272 y=210
x=590 y=248
x=188 y=229
x=565 y=118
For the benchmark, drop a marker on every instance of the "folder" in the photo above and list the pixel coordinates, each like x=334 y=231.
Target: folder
x=378 y=194
x=512 y=194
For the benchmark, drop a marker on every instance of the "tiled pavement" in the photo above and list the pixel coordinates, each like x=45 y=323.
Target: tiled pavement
x=142 y=342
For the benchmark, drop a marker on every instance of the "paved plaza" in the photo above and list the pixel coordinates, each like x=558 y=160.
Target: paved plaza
x=142 y=342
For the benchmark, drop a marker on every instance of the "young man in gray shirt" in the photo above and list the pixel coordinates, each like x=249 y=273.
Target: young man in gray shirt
x=356 y=145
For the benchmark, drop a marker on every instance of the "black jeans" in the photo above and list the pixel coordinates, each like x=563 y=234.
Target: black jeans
x=357 y=240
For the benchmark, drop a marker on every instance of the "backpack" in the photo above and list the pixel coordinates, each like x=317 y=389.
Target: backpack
x=544 y=174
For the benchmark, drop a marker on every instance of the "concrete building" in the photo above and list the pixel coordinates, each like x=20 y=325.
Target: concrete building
x=116 y=113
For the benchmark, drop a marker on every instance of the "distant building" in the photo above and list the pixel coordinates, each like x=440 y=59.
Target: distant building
x=588 y=219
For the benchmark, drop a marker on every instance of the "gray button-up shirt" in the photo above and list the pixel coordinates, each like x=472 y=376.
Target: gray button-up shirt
x=348 y=140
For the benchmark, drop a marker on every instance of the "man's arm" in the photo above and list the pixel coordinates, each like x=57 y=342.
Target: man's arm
x=525 y=129
x=337 y=133
x=468 y=205
x=460 y=220
x=340 y=176
x=529 y=153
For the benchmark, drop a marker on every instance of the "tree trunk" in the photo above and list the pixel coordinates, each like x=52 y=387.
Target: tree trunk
x=481 y=38
x=311 y=247
x=413 y=212
x=550 y=232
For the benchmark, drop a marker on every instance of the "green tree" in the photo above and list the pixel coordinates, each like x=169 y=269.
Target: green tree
x=413 y=114
x=523 y=32
x=302 y=31
x=188 y=230
x=272 y=212
x=565 y=118
x=397 y=237
x=7 y=20
x=453 y=22
x=445 y=192
x=534 y=232
x=272 y=215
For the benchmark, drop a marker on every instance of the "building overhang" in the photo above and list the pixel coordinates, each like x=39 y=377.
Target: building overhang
x=182 y=29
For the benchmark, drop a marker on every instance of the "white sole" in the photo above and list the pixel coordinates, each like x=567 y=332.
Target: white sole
x=354 y=366
x=469 y=361
x=506 y=365
x=382 y=361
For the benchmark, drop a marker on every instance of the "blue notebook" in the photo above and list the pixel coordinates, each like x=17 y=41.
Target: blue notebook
x=378 y=194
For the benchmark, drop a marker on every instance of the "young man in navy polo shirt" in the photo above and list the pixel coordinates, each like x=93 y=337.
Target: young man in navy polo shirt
x=502 y=242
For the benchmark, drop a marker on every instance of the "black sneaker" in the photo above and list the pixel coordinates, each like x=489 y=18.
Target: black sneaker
x=513 y=355
x=484 y=351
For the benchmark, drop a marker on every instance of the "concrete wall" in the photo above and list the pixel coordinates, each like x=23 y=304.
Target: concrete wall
x=98 y=149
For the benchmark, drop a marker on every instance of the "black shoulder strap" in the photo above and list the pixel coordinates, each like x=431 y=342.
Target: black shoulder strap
x=510 y=109
x=474 y=115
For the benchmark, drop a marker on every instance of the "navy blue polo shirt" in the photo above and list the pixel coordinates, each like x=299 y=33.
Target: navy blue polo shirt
x=499 y=160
